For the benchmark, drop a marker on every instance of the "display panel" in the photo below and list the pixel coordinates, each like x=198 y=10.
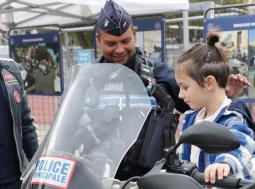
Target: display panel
x=39 y=60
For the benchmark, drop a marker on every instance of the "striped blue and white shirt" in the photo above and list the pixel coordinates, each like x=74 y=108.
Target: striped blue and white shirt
x=241 y=160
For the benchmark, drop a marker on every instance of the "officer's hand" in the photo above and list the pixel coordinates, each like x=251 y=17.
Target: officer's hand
x=216 y=171
x=235 y=84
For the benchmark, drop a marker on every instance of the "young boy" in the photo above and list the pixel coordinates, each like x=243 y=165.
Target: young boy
x=201 y=73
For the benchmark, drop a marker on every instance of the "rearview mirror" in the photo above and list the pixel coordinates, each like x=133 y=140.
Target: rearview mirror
x=210 y=137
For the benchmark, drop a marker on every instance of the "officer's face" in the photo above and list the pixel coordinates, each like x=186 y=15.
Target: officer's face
x=118 y=49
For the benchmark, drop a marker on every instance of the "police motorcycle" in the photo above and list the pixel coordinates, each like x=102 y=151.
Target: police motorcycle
x=98 y=121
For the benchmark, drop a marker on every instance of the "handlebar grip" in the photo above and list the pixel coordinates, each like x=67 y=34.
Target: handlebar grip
x=163 y=98
x=228 y=182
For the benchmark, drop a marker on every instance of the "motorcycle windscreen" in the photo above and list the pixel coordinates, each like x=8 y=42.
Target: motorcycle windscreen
x=99 y=119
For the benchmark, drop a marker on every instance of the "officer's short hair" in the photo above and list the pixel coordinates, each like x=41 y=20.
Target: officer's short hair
x=113 y=19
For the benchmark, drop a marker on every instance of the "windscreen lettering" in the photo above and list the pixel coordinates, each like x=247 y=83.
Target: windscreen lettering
x=54 y=171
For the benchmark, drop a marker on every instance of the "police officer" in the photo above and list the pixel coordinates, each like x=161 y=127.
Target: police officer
x=18 y=138
x=116 y=37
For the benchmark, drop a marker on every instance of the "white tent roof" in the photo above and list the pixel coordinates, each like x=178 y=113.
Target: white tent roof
x=24 y=13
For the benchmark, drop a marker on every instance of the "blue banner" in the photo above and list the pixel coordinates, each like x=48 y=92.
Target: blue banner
x=149 y=24
x=231 y=23
x=34 y=39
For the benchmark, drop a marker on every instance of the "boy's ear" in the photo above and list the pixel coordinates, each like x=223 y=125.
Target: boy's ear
x=210 y=82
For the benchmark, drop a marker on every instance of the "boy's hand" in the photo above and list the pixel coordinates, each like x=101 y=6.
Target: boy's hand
x=216 y=171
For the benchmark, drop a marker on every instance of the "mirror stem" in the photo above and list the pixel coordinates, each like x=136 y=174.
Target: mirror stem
x=172 y=160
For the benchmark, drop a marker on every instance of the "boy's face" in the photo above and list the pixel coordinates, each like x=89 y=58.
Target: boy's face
x=192 y=93
x=118 y=49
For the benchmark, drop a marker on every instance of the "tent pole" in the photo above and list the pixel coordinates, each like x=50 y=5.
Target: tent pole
x=185 y=29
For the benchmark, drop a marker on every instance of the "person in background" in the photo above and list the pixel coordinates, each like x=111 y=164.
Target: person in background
x=18 y=138
x=44 y=78
x=29 y=81
x=116 y=37
x=202 y=73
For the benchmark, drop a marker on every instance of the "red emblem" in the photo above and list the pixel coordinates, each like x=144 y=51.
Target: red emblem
x=17 y=96
x=8 y=76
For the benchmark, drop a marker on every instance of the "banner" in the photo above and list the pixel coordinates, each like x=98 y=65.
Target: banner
x=39 y=60
x=151 y=38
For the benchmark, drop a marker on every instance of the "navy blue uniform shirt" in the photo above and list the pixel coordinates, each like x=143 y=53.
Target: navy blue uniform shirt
x=8 y=158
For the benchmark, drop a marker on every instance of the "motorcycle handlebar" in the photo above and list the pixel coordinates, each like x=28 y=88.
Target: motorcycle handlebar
x=228 y=182
x=165 y=100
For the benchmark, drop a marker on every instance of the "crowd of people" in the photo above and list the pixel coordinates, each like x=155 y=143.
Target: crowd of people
x=201 y=86
x=39 y=78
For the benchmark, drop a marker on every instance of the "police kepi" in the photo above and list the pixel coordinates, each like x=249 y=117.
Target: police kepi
x=113 y=19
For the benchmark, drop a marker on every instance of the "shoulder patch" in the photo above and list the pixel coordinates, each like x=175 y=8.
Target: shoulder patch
x=9 y=78
x=17 y=96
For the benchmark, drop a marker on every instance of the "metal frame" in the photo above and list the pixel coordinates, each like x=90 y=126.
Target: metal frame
x=34 y=27
x=227 y=6
x=41 y=10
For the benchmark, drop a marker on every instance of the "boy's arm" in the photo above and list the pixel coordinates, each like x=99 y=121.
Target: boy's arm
x=238 y=159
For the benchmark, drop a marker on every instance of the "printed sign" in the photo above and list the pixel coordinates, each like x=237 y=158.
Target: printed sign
x=54 y=171
x=84 y=56
x=39 y=60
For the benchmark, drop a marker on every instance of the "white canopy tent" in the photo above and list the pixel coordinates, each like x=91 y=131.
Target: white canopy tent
x=75 y=13
x=24 y=13
x=29 y=13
